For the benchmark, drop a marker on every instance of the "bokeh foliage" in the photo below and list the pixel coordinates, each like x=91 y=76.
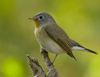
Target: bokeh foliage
x=79 y=18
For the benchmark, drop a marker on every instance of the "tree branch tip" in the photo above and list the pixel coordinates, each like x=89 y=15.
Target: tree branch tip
x=32 y=59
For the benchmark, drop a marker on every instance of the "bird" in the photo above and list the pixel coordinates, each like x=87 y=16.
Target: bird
x=52 y=38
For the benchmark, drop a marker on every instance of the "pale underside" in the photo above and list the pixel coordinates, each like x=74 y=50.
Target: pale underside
x=50 y=45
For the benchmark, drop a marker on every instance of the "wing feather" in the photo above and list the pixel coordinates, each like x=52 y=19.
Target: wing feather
x=60 y=37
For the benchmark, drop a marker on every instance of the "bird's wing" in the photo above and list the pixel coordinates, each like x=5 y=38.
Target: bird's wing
x=60 y=37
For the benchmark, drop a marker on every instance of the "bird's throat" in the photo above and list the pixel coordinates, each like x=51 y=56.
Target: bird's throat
x=37 y=25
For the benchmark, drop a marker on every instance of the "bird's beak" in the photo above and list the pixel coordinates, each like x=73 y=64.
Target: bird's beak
x=35 y=20
x=30 y=18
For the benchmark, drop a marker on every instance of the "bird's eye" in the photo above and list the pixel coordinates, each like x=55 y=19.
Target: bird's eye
x=40 y=17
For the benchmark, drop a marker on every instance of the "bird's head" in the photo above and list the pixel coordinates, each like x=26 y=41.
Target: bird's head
x=42 y=19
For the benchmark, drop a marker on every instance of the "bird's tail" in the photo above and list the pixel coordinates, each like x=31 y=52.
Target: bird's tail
x=90 y=51
x=74 y=43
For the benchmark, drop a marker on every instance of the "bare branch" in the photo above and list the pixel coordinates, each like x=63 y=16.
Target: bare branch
x=36 y=68
x=51 y=70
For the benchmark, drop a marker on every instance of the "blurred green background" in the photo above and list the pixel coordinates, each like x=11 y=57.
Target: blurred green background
x=79 y=18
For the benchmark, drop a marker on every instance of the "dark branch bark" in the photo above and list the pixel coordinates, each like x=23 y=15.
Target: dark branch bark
x=51 y=70
x=38 y=70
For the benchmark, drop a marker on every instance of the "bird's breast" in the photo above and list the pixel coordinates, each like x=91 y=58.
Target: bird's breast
x=46 y=42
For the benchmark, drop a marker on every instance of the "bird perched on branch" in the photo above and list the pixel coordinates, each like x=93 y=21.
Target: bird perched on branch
x=52 y=38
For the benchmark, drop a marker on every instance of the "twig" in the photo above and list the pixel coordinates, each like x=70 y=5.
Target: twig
x=36 y=68
x=51 y=70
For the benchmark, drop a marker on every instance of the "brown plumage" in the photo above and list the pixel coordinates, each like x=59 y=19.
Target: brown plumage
x=52 y=38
